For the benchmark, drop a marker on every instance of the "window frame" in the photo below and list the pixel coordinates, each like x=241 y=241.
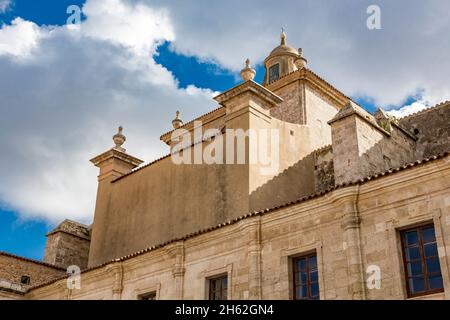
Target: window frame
x=223 y=292
x=279 y=71
x=294 y=269
x=146 y=296
x=425 y=273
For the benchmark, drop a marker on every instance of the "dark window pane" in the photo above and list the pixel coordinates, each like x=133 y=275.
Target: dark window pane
x=416 y=284
x=301 y=264
x=428 y=235
x=415 y=268
x=302 y=292
x=274 y=72
x=313 y=276
x=413 y=253
x=313 y=262
x=433 y=265
x=411 y=238
x=435 y=282
x=430 y=250
x=315 y=290
x=300 y=278
x=218 y=288
x=303 y=278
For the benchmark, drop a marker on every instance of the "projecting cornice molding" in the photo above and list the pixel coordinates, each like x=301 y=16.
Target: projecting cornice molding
x=249 y=86
x=114 y=153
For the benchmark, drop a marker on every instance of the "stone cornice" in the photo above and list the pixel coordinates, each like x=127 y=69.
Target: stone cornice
x=352 y=109
x=114 y=153
x=249 y=86
x=312 y=79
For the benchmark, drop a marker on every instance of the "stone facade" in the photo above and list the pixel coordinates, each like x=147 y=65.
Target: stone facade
x=256 y=251
x=345 y=186
x=323 y=169
x=14 y=268
x=68 y=244
x=432 y=129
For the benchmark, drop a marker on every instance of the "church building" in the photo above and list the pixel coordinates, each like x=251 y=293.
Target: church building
x=349 y=205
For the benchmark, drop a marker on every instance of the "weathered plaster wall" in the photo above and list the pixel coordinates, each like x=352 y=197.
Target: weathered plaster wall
x=323 y=169
x=432 y=128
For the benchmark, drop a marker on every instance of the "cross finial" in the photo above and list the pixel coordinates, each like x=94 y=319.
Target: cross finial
x=283 y=37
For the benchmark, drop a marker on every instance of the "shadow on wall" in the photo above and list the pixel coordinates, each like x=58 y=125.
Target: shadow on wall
x=293 y=183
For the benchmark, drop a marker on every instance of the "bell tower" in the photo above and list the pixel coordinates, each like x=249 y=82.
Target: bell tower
x=283 y=60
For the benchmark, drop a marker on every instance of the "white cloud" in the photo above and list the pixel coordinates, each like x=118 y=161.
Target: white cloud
x=4 y=5
x=19 y=38
x=136 y=26
x=422 y=102
x=64 y=92
x=408 y=54
x=409 y=109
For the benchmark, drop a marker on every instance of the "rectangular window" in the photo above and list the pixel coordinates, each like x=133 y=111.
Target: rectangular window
x=148 y=296
x=218 y=288
x=306 y=277
x=421 y=261
x=274 y=72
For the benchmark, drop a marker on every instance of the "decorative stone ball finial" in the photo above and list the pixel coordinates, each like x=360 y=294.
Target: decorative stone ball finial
x=248 y=73
x=300 y=62
x=177 y=122
x=119 y=139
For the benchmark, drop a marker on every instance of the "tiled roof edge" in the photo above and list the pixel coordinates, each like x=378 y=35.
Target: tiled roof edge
x=440 y=104
x=10 y=255
x=191 y=121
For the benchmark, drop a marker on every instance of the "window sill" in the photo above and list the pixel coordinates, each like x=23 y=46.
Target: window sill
x=433 y=296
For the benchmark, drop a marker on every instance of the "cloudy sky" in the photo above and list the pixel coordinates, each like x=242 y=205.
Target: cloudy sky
x=64 y=90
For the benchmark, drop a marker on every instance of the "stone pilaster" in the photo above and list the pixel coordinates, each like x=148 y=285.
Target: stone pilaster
x=251 y=232
x=116 y=270
x=176 y=251
x=352 y=243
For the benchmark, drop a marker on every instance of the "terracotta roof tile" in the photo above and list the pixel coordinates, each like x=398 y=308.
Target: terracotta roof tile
x=196 y=119
x=2 y=253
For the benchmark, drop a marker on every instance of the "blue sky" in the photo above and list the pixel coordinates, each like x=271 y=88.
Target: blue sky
x=72 y=94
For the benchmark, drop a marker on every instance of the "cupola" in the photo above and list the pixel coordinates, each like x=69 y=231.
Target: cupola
x=283 y=60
